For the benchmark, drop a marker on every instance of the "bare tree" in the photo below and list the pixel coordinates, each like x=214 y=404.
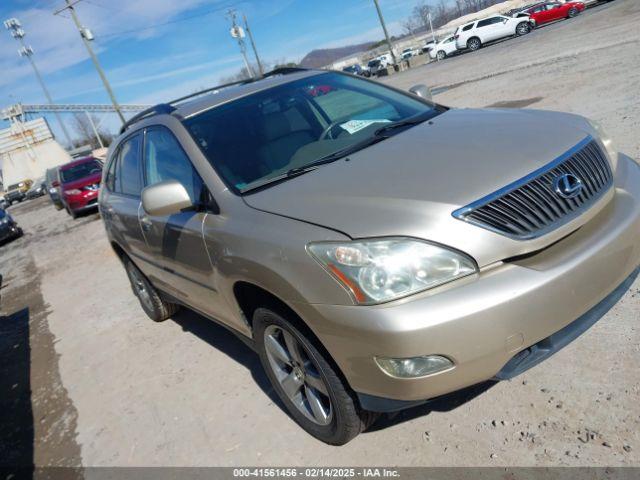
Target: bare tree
x=85 y=133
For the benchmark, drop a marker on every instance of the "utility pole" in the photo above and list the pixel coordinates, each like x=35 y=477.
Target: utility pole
x=253 y=44
x=87 y=37
x=15 y=27
x=238 y=33
x=433 y=36
x=386 y=34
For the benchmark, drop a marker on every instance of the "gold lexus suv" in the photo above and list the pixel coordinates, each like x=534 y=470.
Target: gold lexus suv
x=376 y=249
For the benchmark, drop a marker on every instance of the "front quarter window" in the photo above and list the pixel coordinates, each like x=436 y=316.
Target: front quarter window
x=254 y=139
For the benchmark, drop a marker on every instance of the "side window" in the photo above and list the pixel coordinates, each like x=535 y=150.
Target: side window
x=468 y=27
x=110 y=179
x=485 y=23
x=164 y=159
x=129 y=166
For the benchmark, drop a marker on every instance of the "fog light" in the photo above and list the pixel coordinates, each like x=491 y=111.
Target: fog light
x=414 y=367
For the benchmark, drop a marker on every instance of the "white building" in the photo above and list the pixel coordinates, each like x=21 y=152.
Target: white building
x=27 y=150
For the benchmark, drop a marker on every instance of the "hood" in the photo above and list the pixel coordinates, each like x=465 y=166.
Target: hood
x=83 y=182
x=411 y=183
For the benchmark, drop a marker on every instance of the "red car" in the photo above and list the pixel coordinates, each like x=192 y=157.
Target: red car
x=79 y=185
x=552 y=11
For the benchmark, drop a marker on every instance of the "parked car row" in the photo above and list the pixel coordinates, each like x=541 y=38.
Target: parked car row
x=73 y=186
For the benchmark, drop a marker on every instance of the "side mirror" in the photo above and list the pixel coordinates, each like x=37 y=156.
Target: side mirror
x=421 y=91
x=165 y=198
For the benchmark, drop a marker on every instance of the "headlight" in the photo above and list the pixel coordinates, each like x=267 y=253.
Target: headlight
x=380 y=270
x=606 y=140
x=73 y=191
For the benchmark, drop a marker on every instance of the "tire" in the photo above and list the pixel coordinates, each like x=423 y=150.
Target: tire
x=73 y=214
x=153 y=305
x=574 y=12
x=310 y=378
x=474 y=44
x=523 y=28
x=441 y=55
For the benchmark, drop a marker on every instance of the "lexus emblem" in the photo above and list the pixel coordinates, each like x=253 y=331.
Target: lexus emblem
x=568 y=186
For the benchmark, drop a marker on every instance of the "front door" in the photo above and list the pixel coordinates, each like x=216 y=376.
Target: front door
x=177 y=249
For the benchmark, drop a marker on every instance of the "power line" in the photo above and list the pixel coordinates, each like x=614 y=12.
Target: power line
x=171 y=22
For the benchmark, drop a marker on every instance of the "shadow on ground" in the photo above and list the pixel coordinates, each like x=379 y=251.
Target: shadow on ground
x=16 y=413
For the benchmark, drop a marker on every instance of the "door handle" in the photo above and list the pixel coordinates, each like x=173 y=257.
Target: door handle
x=145 y=223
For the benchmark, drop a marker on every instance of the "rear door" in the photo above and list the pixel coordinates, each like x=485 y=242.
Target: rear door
x=121 y=198
x=181 y=264
x=488 y=29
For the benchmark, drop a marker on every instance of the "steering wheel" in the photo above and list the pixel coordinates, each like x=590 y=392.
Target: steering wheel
x=327 y=131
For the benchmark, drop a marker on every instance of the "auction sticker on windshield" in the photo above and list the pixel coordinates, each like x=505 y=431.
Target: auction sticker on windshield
x=353 y=126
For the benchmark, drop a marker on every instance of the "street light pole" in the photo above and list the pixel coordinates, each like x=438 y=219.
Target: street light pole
x=26 y=51
x=386 y=33
x=253 y=44
x=87 y=36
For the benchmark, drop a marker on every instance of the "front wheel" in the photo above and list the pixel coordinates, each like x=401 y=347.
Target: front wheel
x=310 y=388
x=441 y=55
x=156 y=308
x=573 y=12
x=523 y=28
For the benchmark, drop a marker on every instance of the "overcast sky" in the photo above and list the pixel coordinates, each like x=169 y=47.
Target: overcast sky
x=156 y=50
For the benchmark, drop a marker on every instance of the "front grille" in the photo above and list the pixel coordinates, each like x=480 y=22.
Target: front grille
x=531 y=206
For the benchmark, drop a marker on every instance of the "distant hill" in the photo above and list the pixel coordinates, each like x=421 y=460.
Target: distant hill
x=324 y=56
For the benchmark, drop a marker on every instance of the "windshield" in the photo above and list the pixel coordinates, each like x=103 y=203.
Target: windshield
x=79 y=171
x=270 y=133
x=373 y=63
x=15 y=186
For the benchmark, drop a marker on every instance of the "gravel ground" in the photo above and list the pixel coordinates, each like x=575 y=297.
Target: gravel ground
x=87 y=379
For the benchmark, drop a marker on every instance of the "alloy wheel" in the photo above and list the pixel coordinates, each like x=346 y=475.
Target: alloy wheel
x=297 y=374
x=140 y=288
x=474 y=44
x=523 y=29
x=441 y=55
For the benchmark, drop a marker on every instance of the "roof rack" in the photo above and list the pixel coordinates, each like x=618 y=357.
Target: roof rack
x=168 y=108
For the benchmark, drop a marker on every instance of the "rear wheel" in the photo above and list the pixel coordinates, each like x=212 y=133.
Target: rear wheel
x=573 y=12
x=474 y=44
x=156 y=308
x=523 y=28
x=311 y=389
x=441 y=55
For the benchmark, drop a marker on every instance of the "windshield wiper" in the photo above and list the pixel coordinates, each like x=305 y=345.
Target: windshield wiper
x=334 y=156
x=294 y=172
x=407 y=122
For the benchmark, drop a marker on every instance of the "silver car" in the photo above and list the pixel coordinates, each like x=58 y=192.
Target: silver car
x=376 y=249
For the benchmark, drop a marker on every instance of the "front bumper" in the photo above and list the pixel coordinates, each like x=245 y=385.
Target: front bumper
x=85 y=201
x=482 y=322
